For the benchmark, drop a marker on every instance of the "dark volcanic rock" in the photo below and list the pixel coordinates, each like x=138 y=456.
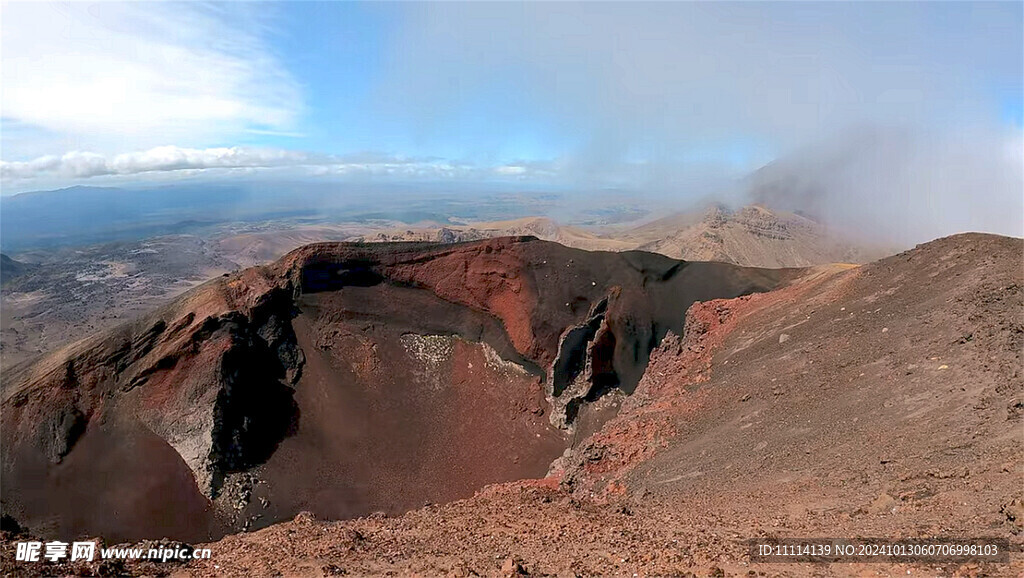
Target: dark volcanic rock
x=59 y=431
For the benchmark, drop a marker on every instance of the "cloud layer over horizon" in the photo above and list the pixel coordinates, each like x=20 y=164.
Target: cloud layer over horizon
x=244 y=160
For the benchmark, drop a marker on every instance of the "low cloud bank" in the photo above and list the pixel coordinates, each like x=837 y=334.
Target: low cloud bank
x=904 y=186
x=169 y=159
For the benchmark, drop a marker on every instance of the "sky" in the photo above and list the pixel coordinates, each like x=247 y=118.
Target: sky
x=679 y=98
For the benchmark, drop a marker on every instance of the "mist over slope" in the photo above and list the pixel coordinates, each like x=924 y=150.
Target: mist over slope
x=901 y=185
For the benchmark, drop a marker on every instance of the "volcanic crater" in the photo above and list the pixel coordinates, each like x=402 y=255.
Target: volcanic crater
x=344 y=379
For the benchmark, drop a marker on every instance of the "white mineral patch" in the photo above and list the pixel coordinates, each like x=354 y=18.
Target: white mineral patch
x=432 y=350
x=496 y=363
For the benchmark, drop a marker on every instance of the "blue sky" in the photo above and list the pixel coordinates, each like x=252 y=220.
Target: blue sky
x=342 y=52
x=679 y=97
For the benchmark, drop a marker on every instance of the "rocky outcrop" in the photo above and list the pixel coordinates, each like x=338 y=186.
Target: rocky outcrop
x=217 y=388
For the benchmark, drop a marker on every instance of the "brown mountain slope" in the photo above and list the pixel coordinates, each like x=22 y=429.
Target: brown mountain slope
x=883 y=400
x=342 y=379
x=751 y=236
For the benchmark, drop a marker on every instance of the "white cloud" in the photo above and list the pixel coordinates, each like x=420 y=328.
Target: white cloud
x=510 y=170
x=79 y=165
x=170 y=160
x=127 y=75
